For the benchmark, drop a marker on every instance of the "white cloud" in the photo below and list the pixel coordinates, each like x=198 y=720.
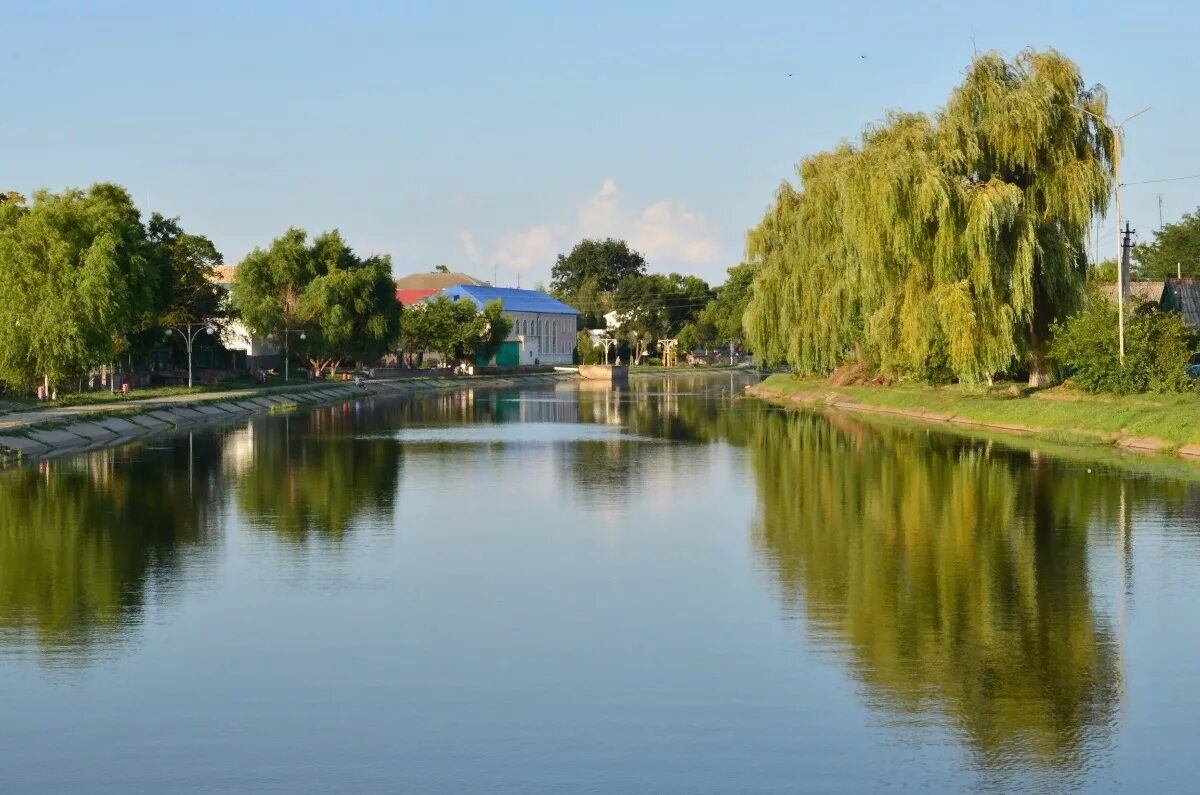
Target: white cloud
x=664 y=231
x=469 y=247
x=536 y=247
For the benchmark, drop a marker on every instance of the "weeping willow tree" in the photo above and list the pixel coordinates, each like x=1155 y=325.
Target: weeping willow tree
x=941 y=245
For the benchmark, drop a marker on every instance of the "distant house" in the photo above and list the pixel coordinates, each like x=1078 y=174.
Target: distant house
x=1183 y=296
x=417 y=286
x=236 y=337
x=543 y=328
x=614 y=320
x=1147 y=291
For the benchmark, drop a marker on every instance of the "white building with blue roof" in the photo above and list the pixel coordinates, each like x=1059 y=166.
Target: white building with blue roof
x=543 y=328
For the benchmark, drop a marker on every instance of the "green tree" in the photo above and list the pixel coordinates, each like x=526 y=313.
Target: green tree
x=684 y=298
x=346 y=305
x=77 y=283
x=724 y=313
x=642 y=316
x=1176 y=248
x=600 y=264
x=1104 y=272
x=944 y=245
x=495 y=331
x=186 y=267
x=1157 y=346
x=456 y=329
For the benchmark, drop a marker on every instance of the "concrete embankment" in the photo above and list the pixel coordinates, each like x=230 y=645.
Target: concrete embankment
x=816 y=398
x=40 y=434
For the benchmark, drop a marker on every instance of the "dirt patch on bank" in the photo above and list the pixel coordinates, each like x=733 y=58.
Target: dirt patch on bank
x=856 y=375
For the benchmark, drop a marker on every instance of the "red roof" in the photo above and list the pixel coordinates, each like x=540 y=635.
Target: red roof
x=410 y=297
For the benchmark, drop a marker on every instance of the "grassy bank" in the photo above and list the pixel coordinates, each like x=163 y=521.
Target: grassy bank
x=1164 y=422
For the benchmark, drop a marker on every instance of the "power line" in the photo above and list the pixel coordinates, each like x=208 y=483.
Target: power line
x=1156 y=181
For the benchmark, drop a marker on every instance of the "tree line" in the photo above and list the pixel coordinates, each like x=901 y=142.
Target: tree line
x=606 y=279
x=88 y=283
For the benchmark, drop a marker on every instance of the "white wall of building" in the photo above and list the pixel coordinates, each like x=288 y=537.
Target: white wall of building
x=545 y=338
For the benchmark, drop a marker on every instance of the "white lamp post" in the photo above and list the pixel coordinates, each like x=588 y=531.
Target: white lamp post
x=287 y=348
x=189 y=332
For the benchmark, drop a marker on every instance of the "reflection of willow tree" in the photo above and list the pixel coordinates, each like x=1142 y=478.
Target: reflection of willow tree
x=955 y=575
x=311 y=475
x=83 y=540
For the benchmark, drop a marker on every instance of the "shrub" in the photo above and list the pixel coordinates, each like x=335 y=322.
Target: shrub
x=1157 y=346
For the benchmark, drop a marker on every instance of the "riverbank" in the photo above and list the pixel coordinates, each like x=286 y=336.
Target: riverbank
x=52 y=431
x=1146 y=423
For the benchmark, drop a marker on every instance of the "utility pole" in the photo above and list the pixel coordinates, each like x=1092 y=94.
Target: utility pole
x=1118 y=130
x=1160 y=212
x=1123 y=281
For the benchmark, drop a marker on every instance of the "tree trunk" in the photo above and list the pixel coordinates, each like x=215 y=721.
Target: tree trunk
x=1041 y=369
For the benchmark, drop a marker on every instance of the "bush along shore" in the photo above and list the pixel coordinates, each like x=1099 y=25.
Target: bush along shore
x=41 y=434
x=1144 y=423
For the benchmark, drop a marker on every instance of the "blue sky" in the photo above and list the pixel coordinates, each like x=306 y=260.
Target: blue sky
x=495 y=135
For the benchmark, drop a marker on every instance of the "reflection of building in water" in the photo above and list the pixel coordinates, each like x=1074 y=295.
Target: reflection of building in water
x=599 y=401
x=955 y=577
x=548 y=407
x=237 y=453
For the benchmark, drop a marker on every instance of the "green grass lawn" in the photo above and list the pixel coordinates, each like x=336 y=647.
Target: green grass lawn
x=1062 y=411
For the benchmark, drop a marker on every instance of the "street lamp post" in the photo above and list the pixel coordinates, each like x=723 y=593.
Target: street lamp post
x=1118 y=132
x=287 y=347
x=189 y=332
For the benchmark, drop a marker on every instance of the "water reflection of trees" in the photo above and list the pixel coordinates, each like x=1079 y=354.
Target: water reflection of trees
x=84 y=540
x=955 y=575
x=314 y=475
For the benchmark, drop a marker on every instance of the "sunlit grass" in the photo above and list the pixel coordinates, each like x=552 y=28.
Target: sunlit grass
x=1063 y=411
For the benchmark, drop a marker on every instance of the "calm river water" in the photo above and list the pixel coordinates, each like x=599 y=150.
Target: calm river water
x=658 y=589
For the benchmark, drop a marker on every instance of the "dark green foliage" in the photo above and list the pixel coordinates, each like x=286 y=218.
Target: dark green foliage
x=185 y=263
x=1157 y=346
x=1176 y=244
x=602 y=263
x=724 y=314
